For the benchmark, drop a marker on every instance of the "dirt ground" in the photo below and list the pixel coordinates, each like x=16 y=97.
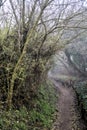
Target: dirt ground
x=68 y=116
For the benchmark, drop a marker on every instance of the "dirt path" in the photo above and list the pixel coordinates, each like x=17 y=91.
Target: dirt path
x=68 y=117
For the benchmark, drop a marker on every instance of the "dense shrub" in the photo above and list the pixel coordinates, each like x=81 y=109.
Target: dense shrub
x=31 y=71
x=81 y=90
x=39 y=118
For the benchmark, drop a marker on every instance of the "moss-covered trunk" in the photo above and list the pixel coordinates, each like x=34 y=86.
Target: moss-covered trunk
x=23 y=54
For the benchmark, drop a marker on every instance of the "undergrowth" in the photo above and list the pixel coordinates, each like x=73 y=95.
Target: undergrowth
x=81 y=90
x=39 y=118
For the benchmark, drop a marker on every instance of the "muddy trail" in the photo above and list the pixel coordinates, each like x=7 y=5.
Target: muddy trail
x=68 y=117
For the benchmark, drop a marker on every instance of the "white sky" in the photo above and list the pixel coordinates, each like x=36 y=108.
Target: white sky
x=8 y=11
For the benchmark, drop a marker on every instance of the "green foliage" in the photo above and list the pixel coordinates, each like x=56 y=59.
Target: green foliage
x=43 y=114
x=45 y=107
x=81 y=90
x=14 y=120
x=39 y=117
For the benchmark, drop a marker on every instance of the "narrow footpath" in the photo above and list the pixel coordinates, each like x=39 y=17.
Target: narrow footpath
x=68 y=116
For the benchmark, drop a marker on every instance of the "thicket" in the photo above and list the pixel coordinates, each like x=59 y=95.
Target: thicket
x=31 y=70
x=40 y=117
x=81 y=91
x=33 y=100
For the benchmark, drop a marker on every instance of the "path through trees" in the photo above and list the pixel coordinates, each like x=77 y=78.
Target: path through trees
x=68 y=117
